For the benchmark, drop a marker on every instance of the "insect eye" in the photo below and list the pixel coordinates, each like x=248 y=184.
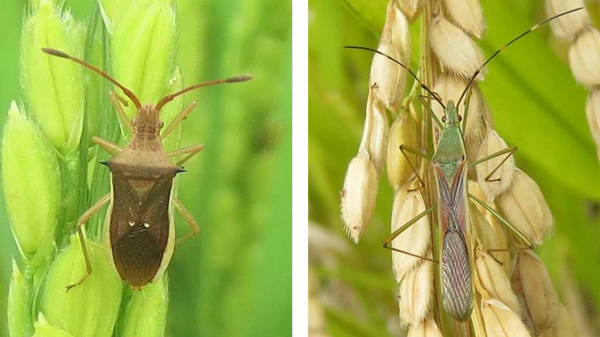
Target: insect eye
x=459 y=118
x=443 y=119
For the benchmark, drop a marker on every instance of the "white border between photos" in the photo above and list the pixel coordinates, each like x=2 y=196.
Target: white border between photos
x=300 y=167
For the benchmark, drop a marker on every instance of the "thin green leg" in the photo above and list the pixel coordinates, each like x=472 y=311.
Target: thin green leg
x=431 y=113
x=467 y=104
x=406 y=148
x=509 y=150
x=404 y=227
x=503 y=221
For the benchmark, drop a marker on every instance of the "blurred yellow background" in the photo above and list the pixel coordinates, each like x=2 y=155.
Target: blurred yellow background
x=536 y=106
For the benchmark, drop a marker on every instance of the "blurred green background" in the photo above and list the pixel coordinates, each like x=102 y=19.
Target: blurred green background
x=536 y=105
x=235 y=278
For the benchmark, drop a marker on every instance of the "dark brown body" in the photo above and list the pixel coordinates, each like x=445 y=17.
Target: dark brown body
x=139 y=232
x=140 y=226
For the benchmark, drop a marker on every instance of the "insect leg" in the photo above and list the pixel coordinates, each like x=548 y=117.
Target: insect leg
x=504 y=222
x=189 y=150
x=466 y=111
x=190 y=220
x=404 y=227
x=87 y=215
x=111 y=148
x=406 y=148
x=509 y=150
x=182 y=115
x=428 y=108
x=508 y=249
x=118 y=103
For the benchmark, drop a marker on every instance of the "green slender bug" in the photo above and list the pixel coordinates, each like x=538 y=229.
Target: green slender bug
x=450 y=168
x=139 y=230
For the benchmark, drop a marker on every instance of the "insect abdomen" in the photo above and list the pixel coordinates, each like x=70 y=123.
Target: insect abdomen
x=457 y=291
x=137 y=256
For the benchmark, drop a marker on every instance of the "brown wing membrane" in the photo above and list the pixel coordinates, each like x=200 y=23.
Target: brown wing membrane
x=456 y=276
x=457 y=286
x=139 y=225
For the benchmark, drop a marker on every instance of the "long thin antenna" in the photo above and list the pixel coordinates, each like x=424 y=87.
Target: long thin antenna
x=508 y=44
x=233 y=79
x=433 y=94
x=64 y=55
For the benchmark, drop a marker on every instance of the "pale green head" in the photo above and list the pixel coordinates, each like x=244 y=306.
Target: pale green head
x=451 y=115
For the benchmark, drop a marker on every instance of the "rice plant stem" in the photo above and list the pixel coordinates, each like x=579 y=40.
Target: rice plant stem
x=428 y=69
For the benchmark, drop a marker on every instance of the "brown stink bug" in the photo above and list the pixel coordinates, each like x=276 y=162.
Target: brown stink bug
x=139 y=229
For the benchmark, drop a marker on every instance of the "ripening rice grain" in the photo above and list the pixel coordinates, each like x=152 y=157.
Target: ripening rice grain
x=532 y=284
x=375 y=134
x=388 y=80
x=455 y=49
x=500 y=321
x=466 y=14
x=359 y=195
x=493 y=282
x=410 y=8
x=567 y=26
x=495 y=175
x=525 y=207
x=584 y=57
x=593 y=114
x=415 y=292
x=416 y=239
x=427 y=328
x=402 y=132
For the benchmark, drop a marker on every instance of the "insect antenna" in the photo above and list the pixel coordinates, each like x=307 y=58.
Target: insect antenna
x=433 y=94
x=508 y=44
x=233 y=79
x=126 y=91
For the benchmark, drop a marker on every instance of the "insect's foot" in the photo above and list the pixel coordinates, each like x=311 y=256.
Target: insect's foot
x=495 y=259
x=415 y=189
x=71 y=286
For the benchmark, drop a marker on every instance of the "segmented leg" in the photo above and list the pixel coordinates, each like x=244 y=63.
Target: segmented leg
x=404 y=227
x=428 y=108
x=118 y=102
x=178 y=119
x=466 y=114
x=504 y=222
x=111 y=148
x=406 y=148
x=509 y=150
x=189 y=150
x=84 y=218
x=190 y=220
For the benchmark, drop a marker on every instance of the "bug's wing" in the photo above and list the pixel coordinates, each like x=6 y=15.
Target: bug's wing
x=457 y=292
x=139 y=227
